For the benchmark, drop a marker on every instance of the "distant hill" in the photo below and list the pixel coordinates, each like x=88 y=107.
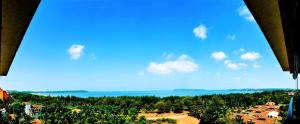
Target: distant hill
x=62 y=91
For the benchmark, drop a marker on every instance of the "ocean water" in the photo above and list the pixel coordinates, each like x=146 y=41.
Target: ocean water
x=158 y=93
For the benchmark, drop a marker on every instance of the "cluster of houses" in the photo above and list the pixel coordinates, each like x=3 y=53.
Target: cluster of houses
x=261 y=114
x=33 y=110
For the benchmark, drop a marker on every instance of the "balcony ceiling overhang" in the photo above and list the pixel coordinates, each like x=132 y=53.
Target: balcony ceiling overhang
x=15 y=19
x=279 y=21
x=267 y=15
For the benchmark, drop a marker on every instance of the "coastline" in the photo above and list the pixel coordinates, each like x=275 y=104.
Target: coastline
x=158 y=93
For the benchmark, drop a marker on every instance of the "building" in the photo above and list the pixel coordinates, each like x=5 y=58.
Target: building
x=4 y=96
x=35 y=111
x=1 y=95
x=261 y=114
x=3 y=111
x=270 y=104
x=36 y=121
x=11 y=117
x=27 y=109
x=273 y=114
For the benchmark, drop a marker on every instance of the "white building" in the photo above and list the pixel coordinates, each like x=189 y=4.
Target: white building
x=273 y=114
x=3 y=111
x=28 y=109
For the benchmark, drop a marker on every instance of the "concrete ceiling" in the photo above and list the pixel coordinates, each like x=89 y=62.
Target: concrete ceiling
x=267 y=14
x=16 y=16
x=279 y=21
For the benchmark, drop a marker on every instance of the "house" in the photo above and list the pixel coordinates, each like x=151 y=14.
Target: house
x=36 y=121
x=273 y=114
x=3 y=95
x=261 y=114
x=35 y=111
x=270 y=104
x=27 y=109
x=3 y=111
x=11 y=117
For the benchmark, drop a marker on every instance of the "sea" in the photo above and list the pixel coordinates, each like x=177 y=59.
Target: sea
x=158 y=93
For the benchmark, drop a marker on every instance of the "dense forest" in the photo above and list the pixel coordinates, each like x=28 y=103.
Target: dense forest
x=125 y=109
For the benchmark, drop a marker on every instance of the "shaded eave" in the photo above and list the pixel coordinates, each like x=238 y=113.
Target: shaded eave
x=268 y=16
x=15 y=19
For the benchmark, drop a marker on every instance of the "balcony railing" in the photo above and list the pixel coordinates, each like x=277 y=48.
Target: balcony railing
x=293 y=116
x=290 y=110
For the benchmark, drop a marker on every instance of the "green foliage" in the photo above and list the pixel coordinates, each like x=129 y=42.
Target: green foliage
x=142 y=120
x=125 y=109
x=90 y=114
x=162 y=120
x=17 y=109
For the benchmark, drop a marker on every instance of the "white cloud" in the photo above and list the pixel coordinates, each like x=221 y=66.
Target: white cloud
x=245 y=13
x=230 y=36
x=220 y=55
x=251 y=56
x=234 y=66
x=183 y=64
x=75 y=51
x=226 y=61
x=200 y=32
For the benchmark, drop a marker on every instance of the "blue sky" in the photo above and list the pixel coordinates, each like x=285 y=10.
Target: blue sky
x=144 y=45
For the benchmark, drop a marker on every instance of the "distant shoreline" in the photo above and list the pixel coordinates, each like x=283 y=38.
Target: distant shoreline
x=245 y=89
x=158 y=93
x=86 y=91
